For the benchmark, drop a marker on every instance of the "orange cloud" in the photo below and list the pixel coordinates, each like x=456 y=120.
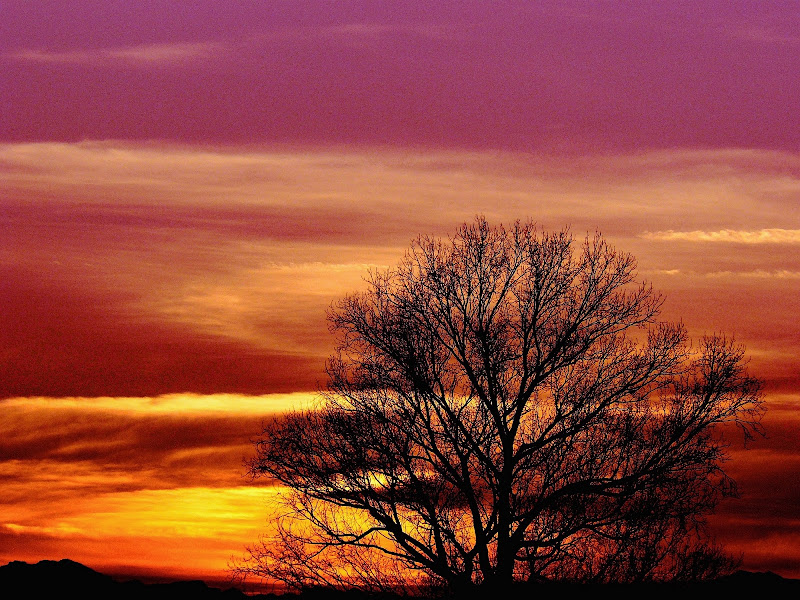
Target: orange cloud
x=182 y=533
x=133 y=483
x=762 y=236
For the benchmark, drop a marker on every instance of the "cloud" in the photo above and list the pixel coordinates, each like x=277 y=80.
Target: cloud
x=143 y=55
x=442 y=186
x=147 y=475
x=183 y=405
x=156 y=441
x=141 y=475
x=133 y=270
x=762 y=523
x=182 y=533
x=761 y=236
x=121 y=444
x=67 y=337
x=757 y=274
x=464 y=75
x=766 y=34
x=149 y=268
x=361 y=33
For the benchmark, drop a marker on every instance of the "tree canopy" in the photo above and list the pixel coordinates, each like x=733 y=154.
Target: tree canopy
x=504 y=405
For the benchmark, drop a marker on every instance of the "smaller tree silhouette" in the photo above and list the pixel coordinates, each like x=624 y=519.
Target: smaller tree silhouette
x=505 y=406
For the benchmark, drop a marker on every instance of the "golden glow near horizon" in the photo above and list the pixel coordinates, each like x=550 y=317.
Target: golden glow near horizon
x=134 y=482
x=182 y=405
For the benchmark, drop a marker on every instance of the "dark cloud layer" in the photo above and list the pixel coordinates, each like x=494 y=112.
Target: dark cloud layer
x=104 y=222
x=62 y=341
x=132 y=451
x=502 y=75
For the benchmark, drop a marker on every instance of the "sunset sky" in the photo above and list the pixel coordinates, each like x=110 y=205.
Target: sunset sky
x=186 y=186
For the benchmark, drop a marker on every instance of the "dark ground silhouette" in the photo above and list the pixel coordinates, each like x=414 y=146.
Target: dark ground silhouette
x=66 y=578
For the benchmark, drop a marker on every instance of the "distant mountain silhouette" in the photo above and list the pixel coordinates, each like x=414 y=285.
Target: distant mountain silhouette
x=65 y=578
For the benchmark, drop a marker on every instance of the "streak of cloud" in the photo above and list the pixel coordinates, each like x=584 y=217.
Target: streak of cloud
x=758 y=274
x=144 y=55
x=762 y=236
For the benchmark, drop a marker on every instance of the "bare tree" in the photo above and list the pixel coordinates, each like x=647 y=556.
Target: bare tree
x=505 y=406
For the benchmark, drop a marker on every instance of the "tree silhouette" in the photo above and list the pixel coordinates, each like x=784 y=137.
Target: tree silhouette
x=504 y=406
